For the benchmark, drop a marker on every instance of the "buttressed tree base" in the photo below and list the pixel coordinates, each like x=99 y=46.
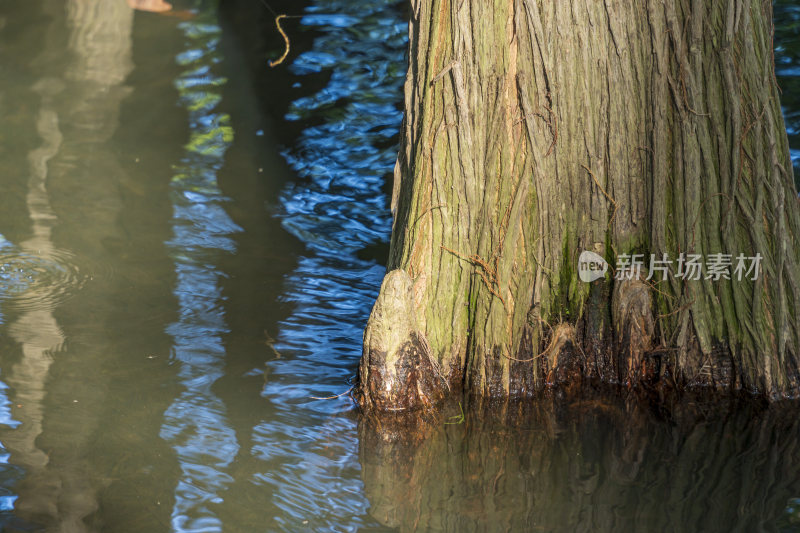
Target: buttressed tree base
x=536 y=130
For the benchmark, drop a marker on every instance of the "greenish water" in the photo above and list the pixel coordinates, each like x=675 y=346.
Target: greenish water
x=190 y=243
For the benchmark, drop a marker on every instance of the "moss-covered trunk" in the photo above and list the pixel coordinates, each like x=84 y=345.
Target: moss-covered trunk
x=538 y=129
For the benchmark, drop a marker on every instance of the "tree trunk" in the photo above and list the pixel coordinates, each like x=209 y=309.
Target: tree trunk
x=538 y=129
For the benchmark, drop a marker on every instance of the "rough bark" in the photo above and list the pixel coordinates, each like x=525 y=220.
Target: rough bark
x=399 y=371
x=537 y=129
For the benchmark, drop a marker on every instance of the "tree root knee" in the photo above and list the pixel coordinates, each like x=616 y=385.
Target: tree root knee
x=397 y=371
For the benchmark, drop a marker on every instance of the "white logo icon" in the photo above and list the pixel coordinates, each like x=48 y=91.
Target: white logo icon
x=591 y=266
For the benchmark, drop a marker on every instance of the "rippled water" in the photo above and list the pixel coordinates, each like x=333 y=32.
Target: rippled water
x=787 y=69
x=190 y=243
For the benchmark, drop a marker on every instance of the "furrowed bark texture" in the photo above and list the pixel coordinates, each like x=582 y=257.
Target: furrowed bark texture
x=535 y=130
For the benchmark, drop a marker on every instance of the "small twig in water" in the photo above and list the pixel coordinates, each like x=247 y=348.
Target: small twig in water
x=285 y=38
x=331 y=397
x=457 y=419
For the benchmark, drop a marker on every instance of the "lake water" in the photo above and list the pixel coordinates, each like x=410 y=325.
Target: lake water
x=190 y=244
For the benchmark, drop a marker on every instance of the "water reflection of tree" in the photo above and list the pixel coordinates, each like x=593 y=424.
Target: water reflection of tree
x=75 y=199
x=587 y=465
x=54 y=491
x=196 y=423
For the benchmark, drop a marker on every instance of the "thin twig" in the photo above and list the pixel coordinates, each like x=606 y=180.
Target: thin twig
x=491 y=282
x=608 y=197
x=676 y=311
x=552 y=123
x=535 y=357
x=444 y=71
x=331 y=397
x=285 y=38
x=457 y=419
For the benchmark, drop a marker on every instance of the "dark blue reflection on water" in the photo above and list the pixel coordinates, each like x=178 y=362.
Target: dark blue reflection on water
x=9 y=474
x=339 y=206
x=336 y=208
x=787 y=69
x=196 y=423
x=309 y=446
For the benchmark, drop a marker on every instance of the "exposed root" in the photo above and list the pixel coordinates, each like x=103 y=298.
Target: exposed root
x=562 y=363
x=398 y=371
x=634 y=324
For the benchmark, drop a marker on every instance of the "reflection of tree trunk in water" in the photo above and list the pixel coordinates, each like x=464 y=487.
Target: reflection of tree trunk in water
x=36 y=330
x=75 y=112
x=592 y=465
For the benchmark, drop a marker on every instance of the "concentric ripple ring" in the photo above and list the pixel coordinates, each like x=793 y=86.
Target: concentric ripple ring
x=35 y=281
